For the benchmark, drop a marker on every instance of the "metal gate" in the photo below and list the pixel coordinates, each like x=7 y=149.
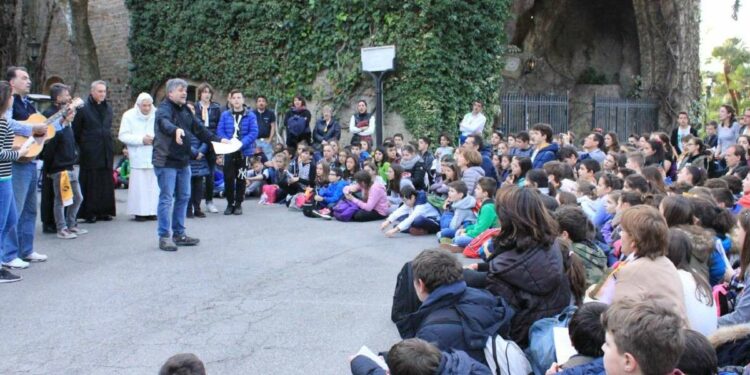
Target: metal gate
x=625 y=116
x=522 y=111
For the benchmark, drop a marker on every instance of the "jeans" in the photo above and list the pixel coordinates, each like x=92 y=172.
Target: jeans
x=24 y=192
x=174 y=194
x=265 y=147
x=462 y=241
x=8 y=218
x=66 y=218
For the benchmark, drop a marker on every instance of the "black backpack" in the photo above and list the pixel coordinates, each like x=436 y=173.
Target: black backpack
x=405 y=300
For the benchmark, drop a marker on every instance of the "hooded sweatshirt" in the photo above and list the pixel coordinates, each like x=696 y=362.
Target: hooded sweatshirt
x=470 y=177
x=463 y=211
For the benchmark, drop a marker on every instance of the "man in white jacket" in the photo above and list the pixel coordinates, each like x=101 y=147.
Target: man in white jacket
x=137 y=133
x=473 y=122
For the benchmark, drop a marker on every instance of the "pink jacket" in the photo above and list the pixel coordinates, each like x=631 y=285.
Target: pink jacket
x=377 y=199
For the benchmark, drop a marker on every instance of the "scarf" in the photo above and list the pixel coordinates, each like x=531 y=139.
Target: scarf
x=409 y=164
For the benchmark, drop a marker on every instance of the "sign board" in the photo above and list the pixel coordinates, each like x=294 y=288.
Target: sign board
x=378 y=59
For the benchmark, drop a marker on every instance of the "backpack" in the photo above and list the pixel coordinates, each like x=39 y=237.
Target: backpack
x=541 y=350
x=481 y=245
x=405 y=300
x=344 y=210
x=505 y=357
x=296 y=125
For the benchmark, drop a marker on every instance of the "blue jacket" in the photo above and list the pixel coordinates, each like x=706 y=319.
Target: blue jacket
x=455 y=316
x=333 y=192
x=451 y=363
x=248 y=130
x=320 y=134
x=489 y=169
x=544 y=155
x=595 y=367
x=198 y=167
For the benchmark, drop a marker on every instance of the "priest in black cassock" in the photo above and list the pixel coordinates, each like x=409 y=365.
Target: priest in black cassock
x=93 y=132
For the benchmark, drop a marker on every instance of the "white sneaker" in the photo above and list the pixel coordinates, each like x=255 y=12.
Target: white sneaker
x=77 y=231
x=211 y=207
x=16 y=264
x=66 y=235
x=35 y=258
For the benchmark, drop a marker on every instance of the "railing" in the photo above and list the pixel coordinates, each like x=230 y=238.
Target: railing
x=522 y=111
x=625 y=116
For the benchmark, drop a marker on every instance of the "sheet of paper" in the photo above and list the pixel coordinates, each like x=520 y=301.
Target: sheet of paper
x=563 y=347
x=365 y=351
x=228 y=148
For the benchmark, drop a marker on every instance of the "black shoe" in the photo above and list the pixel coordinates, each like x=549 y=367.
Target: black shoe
x=7 y=277
x=184 y=240
x=104 y=218
x=141 y=218
x=189 y=214
x=152 y=217
x=51 y=229
x=166 y=244
x=229 y=210
x=199 y=213
x=90 y=220
x=238 y=210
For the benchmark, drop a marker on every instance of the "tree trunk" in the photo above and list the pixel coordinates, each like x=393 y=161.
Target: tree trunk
x=9 y=41
x=669 y=36
x=79 y=34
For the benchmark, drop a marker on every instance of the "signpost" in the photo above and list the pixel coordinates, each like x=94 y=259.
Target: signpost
x=378 y=61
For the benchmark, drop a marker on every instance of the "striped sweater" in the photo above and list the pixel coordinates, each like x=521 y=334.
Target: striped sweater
x=7 y=155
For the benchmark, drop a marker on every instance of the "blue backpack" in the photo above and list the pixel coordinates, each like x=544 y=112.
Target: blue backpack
x=541 y=350
x=296 y=125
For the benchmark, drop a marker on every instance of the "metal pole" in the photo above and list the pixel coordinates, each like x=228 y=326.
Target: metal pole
x=378 y=78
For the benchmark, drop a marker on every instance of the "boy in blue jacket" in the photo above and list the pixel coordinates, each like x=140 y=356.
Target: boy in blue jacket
x=544 y=149
x=238 y=122
x=415 y=356
x=328 y=196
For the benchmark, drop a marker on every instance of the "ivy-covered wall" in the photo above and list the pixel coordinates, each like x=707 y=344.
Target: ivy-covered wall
x=448 y=52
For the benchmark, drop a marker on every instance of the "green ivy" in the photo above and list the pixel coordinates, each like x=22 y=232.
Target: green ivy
x=448 y=52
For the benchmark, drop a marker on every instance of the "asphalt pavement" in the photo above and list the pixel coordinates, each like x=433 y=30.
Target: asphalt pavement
x=268 y=292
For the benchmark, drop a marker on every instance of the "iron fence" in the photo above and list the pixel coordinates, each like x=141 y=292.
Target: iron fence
x=625 y=116
x=521 y=111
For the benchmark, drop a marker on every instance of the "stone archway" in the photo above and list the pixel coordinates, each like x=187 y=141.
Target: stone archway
x=635 y=48
x=49 y=82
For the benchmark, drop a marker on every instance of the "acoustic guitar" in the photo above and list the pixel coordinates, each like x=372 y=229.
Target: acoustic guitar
x=44 y=130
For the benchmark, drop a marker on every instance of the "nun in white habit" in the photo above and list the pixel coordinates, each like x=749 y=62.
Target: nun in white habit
x=137 y=133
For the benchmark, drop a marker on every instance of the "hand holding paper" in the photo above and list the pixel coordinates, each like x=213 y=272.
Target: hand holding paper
x=227 y=146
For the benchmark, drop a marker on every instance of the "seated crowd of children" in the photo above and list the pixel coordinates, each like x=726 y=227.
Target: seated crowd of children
x=633 y=248
x=638 y=250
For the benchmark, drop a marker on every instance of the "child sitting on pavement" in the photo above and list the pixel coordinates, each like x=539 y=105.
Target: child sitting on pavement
x=484 y=192
x=458 y=211
x=416 y=216
x=328 y=196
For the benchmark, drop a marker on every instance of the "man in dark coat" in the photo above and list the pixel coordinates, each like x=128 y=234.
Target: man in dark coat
x=452 y=315
x=92 y=127
x=171 y=158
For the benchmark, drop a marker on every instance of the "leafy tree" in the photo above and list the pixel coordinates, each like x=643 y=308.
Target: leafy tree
x=735 y=56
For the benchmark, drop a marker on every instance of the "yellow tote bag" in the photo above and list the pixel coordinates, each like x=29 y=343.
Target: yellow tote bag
x=66 y=191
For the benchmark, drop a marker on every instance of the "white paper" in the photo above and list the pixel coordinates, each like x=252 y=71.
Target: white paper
x=563 y=347
x=365 y=351
x=228 y=148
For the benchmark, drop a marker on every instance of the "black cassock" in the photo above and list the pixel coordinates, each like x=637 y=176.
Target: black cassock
x=93 y=132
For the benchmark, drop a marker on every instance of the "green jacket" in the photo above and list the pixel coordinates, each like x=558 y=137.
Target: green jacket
x=383 y=171
x=486 y=219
